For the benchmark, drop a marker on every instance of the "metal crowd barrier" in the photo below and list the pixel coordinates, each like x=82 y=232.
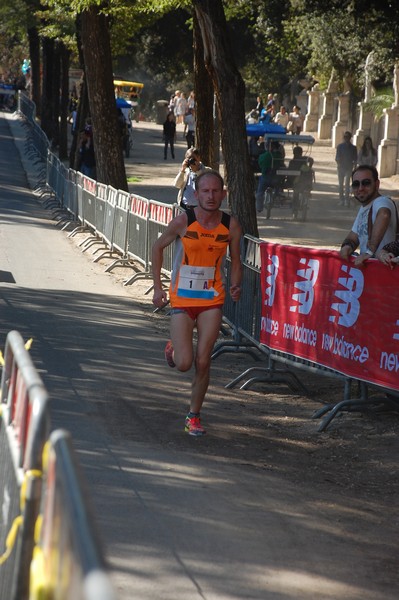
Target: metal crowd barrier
x=37 y=142
x=159 y=216
x=275 y=366
x=122 y=224
x=45 y=522
x=67 y=559
x=24 y=428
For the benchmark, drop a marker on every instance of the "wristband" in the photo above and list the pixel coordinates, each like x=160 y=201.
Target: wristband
x=350 y=243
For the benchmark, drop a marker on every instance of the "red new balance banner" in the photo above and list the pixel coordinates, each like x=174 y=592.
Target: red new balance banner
x=318 y=307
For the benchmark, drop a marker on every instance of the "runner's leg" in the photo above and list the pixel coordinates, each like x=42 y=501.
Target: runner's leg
x=208 y=326
x=181 y=334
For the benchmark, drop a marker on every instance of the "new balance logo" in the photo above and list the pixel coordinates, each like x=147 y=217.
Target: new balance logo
x=270 y=290
x=305 y=296
x=349 y=305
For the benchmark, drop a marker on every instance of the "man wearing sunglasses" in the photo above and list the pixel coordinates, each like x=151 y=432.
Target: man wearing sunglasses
x=376 y=222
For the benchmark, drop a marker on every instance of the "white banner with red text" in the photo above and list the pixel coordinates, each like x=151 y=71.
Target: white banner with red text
x=318 y=307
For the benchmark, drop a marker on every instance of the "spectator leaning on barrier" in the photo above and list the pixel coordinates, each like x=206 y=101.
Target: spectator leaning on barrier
x=376 y=222
x=191 y=167
x=197 y=291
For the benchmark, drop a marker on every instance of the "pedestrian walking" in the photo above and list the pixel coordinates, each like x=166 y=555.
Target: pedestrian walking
x=346 y=158
x=169 y=135
x=202 y=236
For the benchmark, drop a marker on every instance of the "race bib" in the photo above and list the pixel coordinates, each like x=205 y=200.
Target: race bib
x=196 y=282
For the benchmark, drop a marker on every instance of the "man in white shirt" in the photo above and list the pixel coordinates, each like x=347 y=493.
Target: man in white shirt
x=282 y=117
x=376 y=222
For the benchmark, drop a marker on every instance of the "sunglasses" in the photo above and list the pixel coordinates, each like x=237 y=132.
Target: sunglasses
x=364 y=182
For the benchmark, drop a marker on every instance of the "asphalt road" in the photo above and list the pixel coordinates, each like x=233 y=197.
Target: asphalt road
x=179 y=521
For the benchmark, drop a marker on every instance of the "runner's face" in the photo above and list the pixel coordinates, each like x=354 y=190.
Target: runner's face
x=210 y=193
x=363 y=192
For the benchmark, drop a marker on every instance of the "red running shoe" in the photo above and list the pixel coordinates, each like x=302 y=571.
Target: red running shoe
x=169 y=354
x=193 y=426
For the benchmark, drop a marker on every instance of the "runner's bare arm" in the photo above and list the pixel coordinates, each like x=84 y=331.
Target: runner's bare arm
x=175 y=228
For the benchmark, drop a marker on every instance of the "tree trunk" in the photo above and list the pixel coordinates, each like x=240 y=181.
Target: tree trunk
x=34 y=54
x=55 y=95
x=83 y=103
x=47 y=107
x=230 y=90
x=83 y=112
x=203 y=89
x=65 y=56
x=99 y=77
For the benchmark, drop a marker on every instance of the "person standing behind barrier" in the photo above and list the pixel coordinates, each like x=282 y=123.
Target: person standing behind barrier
x=189 y=122
x=191 y=167
x=367 y=153
x=87 y=159
x=376 y=222
x=269 y=162
x=169 y=135
x=346 y=159
x=197 y=290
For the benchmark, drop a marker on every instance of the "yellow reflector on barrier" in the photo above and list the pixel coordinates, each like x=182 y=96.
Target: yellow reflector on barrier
x=37 y=586
x=11 y=537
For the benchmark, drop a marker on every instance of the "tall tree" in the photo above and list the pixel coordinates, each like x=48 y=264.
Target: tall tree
x=230 y=93
x=99 y=77
x=204 y=96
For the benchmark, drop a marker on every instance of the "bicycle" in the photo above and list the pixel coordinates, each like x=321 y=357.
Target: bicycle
x=269 y=193
x=301 y=207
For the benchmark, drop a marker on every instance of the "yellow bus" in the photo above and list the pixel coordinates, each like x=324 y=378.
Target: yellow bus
x=129 y=91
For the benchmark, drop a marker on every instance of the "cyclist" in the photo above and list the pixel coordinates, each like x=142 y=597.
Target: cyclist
x=269 y=162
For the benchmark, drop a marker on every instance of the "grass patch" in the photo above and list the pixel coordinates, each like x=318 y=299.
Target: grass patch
x=134 y=179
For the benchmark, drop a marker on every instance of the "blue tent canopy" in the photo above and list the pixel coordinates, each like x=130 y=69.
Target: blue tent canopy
x=121 y=103
x=260 y=129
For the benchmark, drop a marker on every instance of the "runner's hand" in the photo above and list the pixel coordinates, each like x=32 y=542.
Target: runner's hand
x=235 y=292
x=160 y=298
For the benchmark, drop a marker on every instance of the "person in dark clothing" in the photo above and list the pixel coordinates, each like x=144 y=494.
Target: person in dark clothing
x=169 y=135
x=87 y=159
x=270 y=161
x=346 y=159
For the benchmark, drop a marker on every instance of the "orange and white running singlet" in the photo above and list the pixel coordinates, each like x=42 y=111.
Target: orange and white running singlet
x=198 y=266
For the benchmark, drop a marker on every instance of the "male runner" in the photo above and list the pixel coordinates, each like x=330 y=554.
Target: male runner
x=197 y=292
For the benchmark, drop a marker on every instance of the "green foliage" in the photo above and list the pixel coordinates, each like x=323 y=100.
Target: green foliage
x=378 y=103
x=13 y=36
x=341 y=39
